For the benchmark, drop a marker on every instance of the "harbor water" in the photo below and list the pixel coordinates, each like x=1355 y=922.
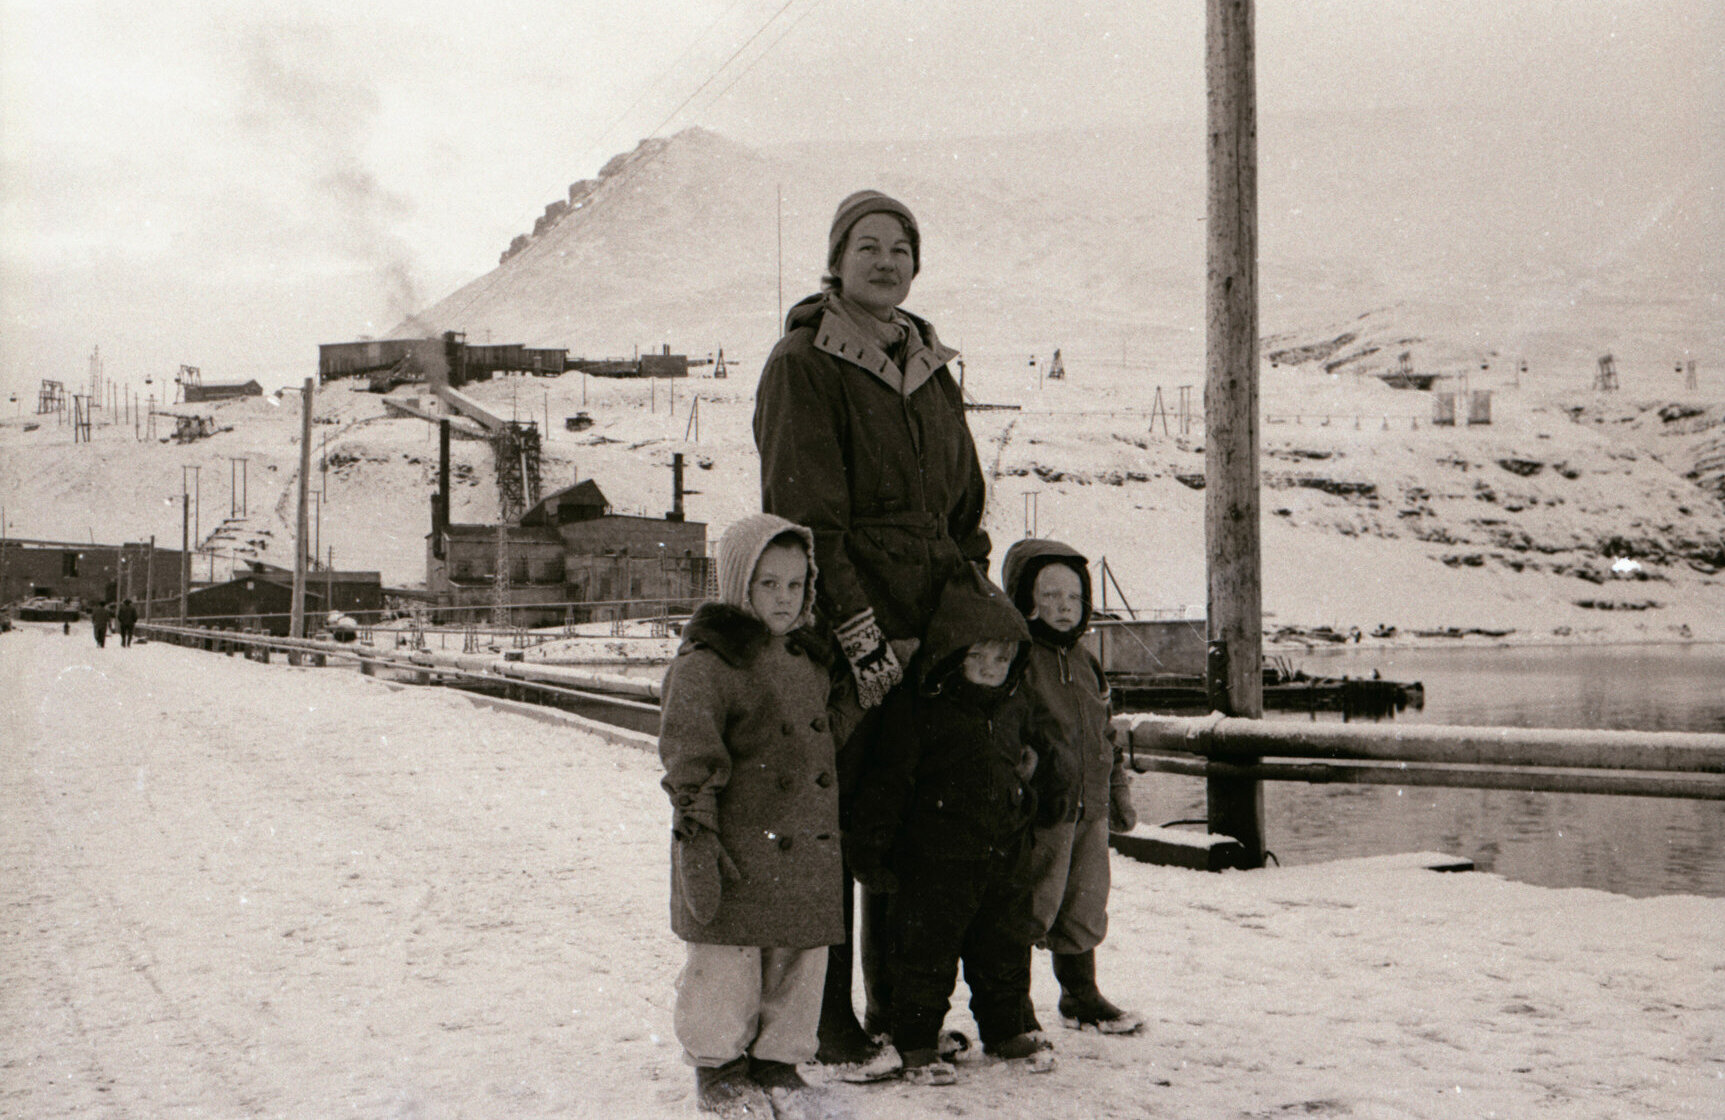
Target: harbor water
x=1638 y=846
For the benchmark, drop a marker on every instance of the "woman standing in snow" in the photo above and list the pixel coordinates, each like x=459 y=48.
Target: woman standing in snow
x=863 y=439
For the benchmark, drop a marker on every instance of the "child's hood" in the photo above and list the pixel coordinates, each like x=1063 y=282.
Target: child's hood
x=971 y=610
x=1027 y=557
x=740 y=550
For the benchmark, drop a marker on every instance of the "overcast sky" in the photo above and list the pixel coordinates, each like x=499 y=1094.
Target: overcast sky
x=220 y=183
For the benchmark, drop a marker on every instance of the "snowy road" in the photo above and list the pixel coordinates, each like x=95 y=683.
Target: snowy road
x=237 y=890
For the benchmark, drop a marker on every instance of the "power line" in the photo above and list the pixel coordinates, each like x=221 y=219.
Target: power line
x=721 y=67
x=598 y=143
x=597 y=146
x=767 y=50
x=628 y=171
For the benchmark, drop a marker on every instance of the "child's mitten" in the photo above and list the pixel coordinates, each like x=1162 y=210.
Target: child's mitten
x=866 y=867
x=1122 y=817
x=1026 y=763
x=873 y=663
x=703 y=867
x=876 y=879
x=1057 y=787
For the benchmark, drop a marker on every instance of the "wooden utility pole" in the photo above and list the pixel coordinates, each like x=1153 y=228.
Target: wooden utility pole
x=296 y=619
x=1234 y=672
x=185 y=552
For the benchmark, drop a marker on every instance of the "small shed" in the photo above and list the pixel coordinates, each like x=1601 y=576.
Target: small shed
x=249 y=602
x=358 y=593
x=1447 y=407
x=1149 y=647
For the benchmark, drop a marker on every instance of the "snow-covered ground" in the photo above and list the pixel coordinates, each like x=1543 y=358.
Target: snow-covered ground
x=233 y=889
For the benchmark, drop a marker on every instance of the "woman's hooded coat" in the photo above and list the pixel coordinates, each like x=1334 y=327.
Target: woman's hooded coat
x=872 y=452
x=747 y=746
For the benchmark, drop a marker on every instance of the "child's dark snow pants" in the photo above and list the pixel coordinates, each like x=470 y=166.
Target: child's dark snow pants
x=973 y=910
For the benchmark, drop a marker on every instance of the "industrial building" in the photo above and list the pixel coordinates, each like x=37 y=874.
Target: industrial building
x=570 y=558
x=356 y=593
x=90 y=572
x=221 y=391
x=453 y=361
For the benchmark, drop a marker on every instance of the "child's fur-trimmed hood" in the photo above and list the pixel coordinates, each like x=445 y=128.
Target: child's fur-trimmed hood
x=738 y=637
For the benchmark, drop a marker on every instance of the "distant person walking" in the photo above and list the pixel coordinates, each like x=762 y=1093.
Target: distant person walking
x=127 y=617
x=863 y=439
x=99 y=623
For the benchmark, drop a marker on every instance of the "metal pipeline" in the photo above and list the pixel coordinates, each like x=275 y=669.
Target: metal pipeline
x=1525 y=779
x=1216 y=736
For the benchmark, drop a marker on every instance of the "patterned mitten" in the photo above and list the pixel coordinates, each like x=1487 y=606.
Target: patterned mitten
x=873 y=663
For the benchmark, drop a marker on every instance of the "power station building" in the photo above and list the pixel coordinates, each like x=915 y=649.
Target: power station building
x=570 y=557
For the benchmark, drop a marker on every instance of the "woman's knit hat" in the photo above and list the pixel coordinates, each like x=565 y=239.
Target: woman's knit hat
x=852 y=210
x=740 y=550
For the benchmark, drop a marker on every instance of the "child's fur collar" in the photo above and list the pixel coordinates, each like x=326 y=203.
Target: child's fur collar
x=738 y=637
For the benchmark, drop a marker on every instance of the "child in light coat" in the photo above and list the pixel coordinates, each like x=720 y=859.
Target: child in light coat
x=1050 y=583
x=747 y=745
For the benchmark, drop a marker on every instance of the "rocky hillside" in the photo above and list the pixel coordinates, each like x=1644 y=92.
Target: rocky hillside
x=1094 y=242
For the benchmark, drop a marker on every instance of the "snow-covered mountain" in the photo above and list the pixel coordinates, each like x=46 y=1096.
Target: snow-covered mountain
x=1574 y=512
x=1094 y=242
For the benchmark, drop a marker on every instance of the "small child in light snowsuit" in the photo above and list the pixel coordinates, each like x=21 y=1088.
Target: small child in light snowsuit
x=943 y=821
x=1050 y=583
x=749 y=766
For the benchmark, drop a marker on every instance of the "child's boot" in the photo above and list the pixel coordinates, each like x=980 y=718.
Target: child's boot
x=793 y=1098
x=1031 y=1049
x=926 y=1067
x=878 y=1065
x=1082 y=1004
x=728 y=1091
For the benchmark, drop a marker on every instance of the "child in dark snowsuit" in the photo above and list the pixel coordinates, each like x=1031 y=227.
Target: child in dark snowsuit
x=747 y=744
x=943 y=820
x=1050 y=583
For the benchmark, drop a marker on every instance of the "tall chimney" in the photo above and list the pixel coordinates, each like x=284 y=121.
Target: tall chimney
x=440 y=500
x=676 y=513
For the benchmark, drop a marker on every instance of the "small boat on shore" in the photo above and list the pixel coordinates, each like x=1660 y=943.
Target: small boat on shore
x=1157 y=665
x=1285 y=689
